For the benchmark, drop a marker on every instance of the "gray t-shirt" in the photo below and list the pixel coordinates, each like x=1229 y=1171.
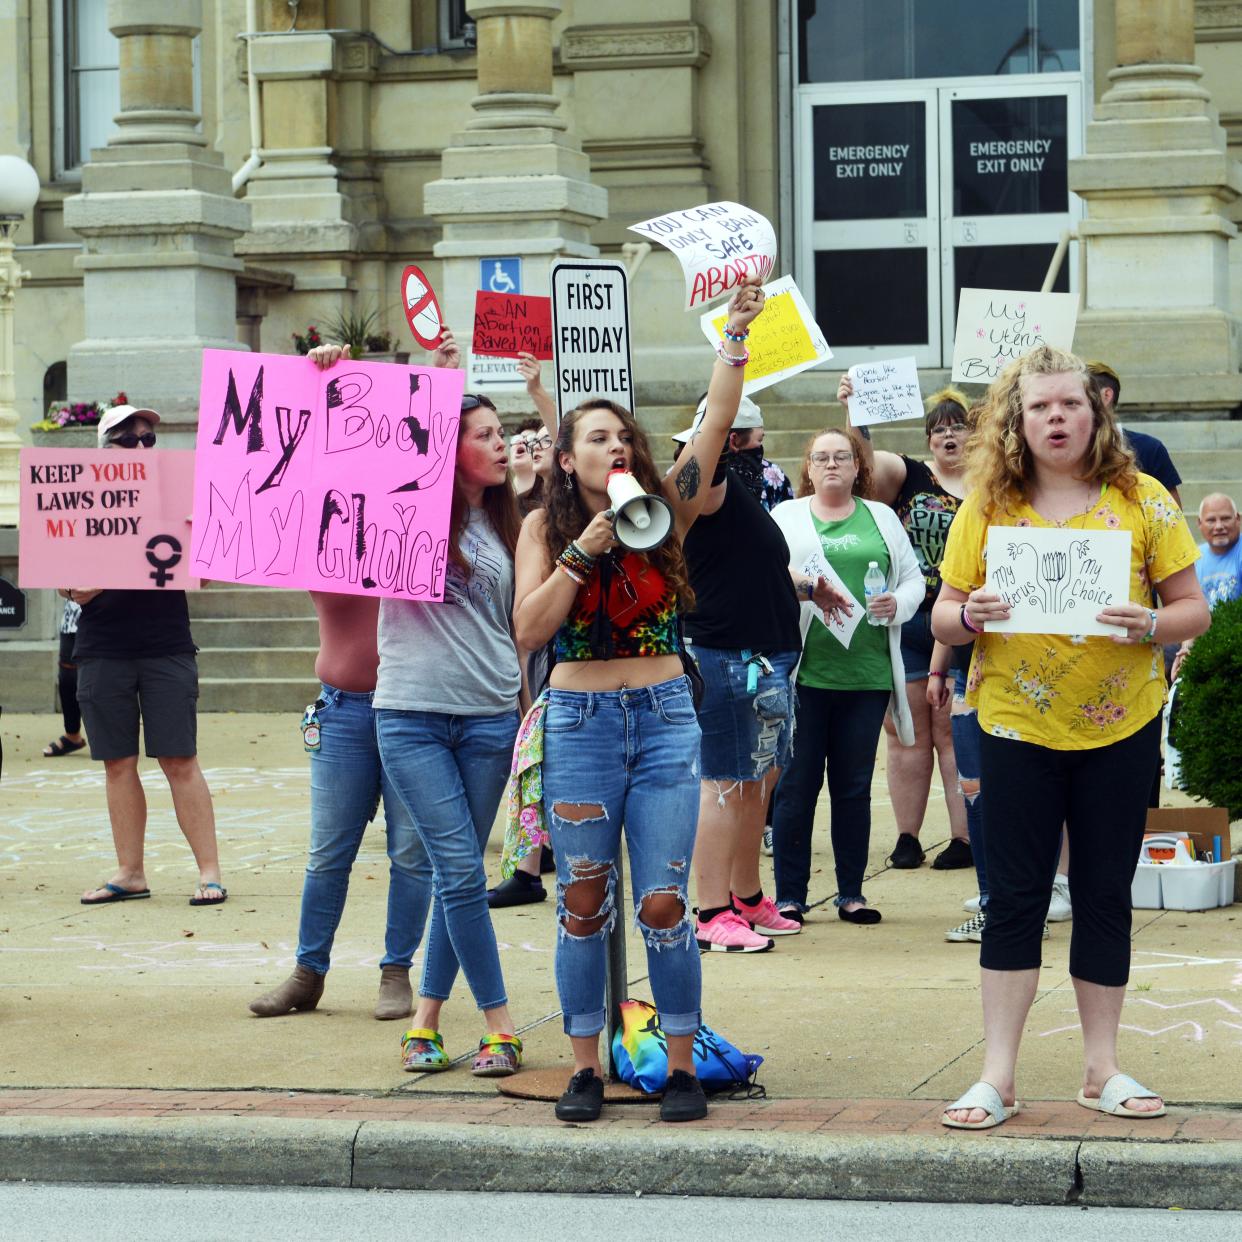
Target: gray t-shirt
x=456 y=657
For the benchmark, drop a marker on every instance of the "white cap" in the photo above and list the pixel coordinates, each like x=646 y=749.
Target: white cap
x=117 y=414
x=748 y=417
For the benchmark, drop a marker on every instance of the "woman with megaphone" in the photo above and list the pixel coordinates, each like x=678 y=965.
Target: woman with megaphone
x=620 y=735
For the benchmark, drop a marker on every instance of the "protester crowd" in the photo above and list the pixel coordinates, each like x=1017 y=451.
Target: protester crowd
x=690 y=694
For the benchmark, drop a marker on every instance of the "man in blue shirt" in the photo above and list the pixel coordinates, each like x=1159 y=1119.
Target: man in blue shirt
x=1219 y=567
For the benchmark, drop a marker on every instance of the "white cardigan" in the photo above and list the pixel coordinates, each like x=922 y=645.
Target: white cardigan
x=905 y=581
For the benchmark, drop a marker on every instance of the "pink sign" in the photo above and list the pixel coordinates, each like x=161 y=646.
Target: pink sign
x=116 y=519
x=338 y=480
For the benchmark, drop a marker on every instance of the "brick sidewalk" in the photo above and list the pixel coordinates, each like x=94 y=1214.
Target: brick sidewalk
x=861 y=1118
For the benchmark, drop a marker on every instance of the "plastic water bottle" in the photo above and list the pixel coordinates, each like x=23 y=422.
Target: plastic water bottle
x=873 y=584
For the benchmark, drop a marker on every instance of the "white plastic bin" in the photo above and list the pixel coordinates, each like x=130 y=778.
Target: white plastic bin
x=1145 y=888
x=1200 y=886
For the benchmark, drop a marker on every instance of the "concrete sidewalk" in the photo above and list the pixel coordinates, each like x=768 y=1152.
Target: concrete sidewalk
x=866 y=1031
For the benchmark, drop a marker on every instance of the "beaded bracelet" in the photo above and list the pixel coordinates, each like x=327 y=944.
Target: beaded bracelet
x=576 y=560
x=733 y=360
x=569 y=573
x=1152 y=632
x=735 y=336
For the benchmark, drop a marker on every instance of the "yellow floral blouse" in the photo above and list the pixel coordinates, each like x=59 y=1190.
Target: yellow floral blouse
x=1072 y=692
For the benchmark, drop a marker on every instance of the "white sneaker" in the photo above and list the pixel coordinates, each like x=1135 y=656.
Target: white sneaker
x=767 y=840
x=971 y=904
x=1059 y=908
x=972 y=929
x=1047 y=932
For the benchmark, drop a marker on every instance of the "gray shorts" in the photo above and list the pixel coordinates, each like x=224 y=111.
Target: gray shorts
x=163 y=690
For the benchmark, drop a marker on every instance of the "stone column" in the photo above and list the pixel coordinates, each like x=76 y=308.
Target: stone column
x=159 y=220
x=513 y=181
x=1157 y=180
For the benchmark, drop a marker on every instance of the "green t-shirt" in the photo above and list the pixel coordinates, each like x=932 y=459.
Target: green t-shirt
x=849 y=545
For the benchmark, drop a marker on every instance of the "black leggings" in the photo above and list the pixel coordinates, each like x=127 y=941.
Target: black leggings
x=1101 y=797
x=67 y=680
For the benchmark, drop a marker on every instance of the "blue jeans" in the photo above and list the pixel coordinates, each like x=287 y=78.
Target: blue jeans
x=967 y=732
x=449 y=773
x=346 y=784
x=624 y=757
x=837 y=731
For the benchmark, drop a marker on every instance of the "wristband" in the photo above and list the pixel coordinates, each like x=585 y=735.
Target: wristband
x=967 y=623
x=733 y=360
x=1152 y=632
x=735 y=336
x=807 y=588
x=934 y=673
x=569 y=573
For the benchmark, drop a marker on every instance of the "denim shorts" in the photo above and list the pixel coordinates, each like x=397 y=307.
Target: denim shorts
x=916 y=645
x=746 y=733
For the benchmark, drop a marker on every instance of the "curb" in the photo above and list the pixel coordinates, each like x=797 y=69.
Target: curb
x=387 y=1155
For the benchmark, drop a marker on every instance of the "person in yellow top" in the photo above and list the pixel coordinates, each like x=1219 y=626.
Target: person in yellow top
x=1071 y=724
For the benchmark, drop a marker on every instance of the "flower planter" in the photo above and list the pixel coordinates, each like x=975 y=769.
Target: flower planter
x=66 y=437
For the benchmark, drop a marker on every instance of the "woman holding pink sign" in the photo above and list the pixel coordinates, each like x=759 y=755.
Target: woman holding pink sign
x=1070 y=723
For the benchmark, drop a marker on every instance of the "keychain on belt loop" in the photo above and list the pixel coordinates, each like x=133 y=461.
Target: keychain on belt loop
x=756 y=662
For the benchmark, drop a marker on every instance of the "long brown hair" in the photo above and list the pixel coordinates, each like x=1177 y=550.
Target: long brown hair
x=999 y=465
x=862 y=481
x=565 y=515
x=499 y=505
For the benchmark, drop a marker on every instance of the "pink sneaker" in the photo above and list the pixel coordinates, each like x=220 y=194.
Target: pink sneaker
x=766 y=919
x=728 y=932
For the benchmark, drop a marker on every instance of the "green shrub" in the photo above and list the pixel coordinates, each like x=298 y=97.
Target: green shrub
x=1208 y=713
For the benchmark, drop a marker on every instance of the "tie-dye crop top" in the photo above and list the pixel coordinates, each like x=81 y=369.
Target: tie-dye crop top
x=635 y=613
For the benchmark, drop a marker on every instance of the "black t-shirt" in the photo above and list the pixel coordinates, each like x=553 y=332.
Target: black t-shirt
x=132 y=625
x=1153 y=458
x=926 y=511
x=739 y=569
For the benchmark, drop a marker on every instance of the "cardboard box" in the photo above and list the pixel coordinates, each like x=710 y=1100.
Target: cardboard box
x=1201 y=824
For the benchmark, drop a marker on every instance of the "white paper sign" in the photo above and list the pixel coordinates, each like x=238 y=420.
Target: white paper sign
x=784 y=339
x=996 y=326
x=885 y=392
x=842 y=629
x=591 y=334
x=1055 y=579
x=719 y=245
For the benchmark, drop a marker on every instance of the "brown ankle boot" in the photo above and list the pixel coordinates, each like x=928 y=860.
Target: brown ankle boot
x=301 y=990
x=396 y=997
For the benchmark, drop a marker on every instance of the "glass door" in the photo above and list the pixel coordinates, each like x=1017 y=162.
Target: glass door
x=869 y=249
x=1004 y=190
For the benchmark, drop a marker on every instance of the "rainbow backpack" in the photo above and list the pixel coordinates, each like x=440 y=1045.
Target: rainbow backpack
x=640 y=1053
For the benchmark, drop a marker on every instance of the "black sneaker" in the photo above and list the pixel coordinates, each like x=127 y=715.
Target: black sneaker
x=519 y=889
x=954 y=857
x=583 y=1098
x=907 y=853
x=683 y=1098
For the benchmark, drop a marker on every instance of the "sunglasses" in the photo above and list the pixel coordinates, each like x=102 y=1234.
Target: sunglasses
x=472 y=401
x=130 y=439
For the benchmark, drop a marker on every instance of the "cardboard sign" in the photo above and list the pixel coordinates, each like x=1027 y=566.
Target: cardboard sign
x=885 y=392
x=1056 y=579
x=719 y=245
x=591 y=334
x=337 y=480
x=115 y=519
x=997 y=326
x=841 y=629
x=422 y=310
x=784 y=339
x=506 y=325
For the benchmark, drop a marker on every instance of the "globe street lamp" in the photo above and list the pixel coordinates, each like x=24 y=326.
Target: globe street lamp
x=19 y=191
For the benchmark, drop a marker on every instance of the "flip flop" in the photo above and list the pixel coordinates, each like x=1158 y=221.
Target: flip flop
x=116 y=893
x=1117 y=1090
x=62 y=746
x=985 y=1096
x=211 y=901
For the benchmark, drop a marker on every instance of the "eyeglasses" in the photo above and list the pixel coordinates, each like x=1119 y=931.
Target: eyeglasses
x=130 y=439
x=837 y=459
x=539 y=442
x=472 y=401
x=949 y=429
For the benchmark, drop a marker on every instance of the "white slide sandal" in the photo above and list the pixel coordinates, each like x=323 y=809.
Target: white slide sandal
x=985 y=1096
x=1118 y=1089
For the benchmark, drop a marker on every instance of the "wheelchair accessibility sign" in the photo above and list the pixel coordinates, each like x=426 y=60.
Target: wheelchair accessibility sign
x=502 y=275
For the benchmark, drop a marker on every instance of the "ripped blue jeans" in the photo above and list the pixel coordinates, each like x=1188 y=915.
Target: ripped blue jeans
x=625 y=757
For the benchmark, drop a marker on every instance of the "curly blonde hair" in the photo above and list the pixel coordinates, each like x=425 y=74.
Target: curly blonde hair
x=862 y=481
x=999 y=465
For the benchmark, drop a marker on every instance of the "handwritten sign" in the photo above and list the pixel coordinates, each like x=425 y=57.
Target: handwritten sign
x=591 y=334
x=997 y=326
x=719 y=246
x=784 y=339
x=506 y=325
x=841 y=628
x=422 y=311
x=117 y=519
x=885 y=392
x=1055 y=579
x=337 y=480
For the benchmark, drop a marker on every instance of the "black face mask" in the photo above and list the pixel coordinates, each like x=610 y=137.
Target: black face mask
x=747 y=467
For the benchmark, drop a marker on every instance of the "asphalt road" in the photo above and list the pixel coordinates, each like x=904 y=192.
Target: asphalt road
x=34 y=1213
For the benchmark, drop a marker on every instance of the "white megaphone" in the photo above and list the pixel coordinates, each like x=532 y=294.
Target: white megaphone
x=641 y=522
